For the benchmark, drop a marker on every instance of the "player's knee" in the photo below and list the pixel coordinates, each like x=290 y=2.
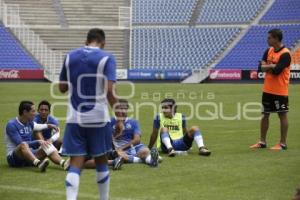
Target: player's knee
x=144 y=153
x=23 y=146
x=164 y=130
x=266 y=116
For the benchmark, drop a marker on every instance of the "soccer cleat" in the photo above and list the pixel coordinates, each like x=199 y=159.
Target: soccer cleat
x=279 y=147
x=118 y=162
x=203 y=151
x=258 y=145
x=66 y=164
x=43 y=165
x=160 y=159
x=171 y=152
x=154 y=157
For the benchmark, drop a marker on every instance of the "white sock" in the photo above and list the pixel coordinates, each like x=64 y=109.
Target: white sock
x=36 y=162
x=72 y=183
x=137 y=160
x=165 y=138
x=102 y=176
x=198 y=139
x=148 y=159
x=61 y=163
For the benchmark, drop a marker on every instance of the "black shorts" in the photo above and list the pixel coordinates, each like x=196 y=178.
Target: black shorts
x=274 y=103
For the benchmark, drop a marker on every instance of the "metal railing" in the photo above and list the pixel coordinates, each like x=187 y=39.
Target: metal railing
x=49 y=59
x=125 y=21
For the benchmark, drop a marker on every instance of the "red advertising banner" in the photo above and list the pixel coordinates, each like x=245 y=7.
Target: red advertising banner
x=230 y=74
x=26 y=74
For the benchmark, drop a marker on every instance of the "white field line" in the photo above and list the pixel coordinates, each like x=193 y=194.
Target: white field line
x=57 y=193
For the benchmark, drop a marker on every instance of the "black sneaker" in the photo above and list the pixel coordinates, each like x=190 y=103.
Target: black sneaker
x=203 y=151
x=43 y=165
x=171 y=152
x=154 y=157
x=118 y=162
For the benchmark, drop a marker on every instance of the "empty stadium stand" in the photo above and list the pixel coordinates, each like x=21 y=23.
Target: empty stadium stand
x=36 y=12
x=178 y=48
x=92 y=12
x=229 y=11
x=66 y=39
x=12 y=55
x=283 y=11
x=162 y=11
x=247 y=53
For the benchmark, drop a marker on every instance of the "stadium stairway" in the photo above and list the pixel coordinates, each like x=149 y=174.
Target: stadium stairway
x=36 y=12
x=92 y=12
x=66 y=39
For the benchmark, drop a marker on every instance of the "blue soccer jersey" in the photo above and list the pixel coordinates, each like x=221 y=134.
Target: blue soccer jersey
x=86 y=70
x=16 y=133
x=88 y=129
x=47 y=133
x=132 y=128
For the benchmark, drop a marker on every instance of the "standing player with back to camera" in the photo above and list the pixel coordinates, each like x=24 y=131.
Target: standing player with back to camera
x=276 y=64
x=89 y=73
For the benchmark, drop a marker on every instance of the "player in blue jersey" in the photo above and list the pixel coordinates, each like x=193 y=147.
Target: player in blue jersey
x=127 y=140
x=44 y=117
x=173 y=132
x=21 y=149
x=89 y=74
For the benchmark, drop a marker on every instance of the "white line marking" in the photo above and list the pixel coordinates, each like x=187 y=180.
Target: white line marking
x=58 y=193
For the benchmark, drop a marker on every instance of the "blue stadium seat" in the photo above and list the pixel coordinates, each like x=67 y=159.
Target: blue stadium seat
x=12 y=54
x=250 y=49
x=178 y=48
x=162 y=11
x=229 y=11
x=283 y=11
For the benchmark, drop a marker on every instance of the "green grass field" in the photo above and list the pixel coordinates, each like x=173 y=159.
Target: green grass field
x=233 y=171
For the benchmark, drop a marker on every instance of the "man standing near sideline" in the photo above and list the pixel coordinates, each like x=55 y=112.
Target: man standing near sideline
x=276 y=64
x=89 y=73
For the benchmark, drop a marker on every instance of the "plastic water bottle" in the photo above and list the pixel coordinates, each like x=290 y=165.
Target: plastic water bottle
x=181 y=153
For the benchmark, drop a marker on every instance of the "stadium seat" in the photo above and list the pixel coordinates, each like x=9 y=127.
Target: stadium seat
x=250 y=49
x=178 y=48
x=12 y=54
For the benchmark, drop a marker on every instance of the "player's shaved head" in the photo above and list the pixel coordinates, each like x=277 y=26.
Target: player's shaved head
x=276 y=33
x=95 y=35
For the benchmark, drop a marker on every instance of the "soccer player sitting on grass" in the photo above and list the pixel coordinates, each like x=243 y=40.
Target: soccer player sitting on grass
x=173 y=132
x=21 y=149
x=127 y=139
x=44 y=117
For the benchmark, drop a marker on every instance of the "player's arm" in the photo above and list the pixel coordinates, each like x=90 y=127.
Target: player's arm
x=284 y=61
x=63 y=81
x=153 y=137
x=40 y=127
x=110 y=74
x=38 y=135
x=155 y=130
x=15 y=137
x=136 y=140
x=184 y=125
x=263 y=62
